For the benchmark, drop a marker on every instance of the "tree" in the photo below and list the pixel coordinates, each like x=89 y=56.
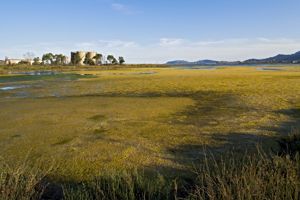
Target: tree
x=115 y=61
x=98 y=58
x=28 y=56
x=48 y=58
x=36 y=61
x=60 y=59
x=64 y=59
x=121 y=60
x=110 y=58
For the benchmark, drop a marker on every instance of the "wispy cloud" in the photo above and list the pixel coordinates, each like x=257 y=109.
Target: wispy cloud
x=116 y=44
x=169 y=42
x=121 y=8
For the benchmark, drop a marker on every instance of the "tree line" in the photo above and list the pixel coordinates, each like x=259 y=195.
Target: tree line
x=60 y=59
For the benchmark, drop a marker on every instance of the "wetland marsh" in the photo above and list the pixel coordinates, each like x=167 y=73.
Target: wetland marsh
x=88 y=122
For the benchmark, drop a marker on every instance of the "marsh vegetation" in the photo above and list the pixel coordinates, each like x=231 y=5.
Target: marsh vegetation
x=147 y=131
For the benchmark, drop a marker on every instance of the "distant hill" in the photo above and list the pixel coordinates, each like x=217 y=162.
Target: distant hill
x=286 y=59
x=178 y=62
x=279 y=59
x=206 y=62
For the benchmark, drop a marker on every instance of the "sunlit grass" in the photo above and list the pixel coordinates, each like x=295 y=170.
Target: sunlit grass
x=151 y=118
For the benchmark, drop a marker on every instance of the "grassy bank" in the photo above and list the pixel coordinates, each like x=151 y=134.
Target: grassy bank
x=15 y=68
x=250 y=176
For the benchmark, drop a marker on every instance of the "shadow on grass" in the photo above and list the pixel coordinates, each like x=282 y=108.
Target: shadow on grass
x=285 y=127
x=212 y=106
x=210 y=109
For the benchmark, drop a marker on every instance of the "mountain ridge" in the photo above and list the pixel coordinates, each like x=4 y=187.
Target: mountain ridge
x=278 y=59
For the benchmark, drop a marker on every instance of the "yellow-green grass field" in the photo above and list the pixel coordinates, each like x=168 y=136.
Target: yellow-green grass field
x=159 y=119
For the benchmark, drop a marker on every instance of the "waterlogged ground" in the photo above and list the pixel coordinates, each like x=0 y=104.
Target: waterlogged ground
x=88 y=122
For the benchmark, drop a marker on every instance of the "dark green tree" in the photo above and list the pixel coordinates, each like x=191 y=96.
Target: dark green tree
x=36 y=61
x=110 y=58
x=59 y=59
x=98 y=58
x=48 y=58
x=115 y=61
x=121 y=60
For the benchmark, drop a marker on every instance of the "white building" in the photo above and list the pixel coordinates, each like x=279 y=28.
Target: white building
x=11 y=61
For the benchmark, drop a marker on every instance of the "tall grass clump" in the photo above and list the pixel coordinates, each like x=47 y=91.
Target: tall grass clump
x=257 y=175
x=123 y=186
x=252 y=176
x=21 y=182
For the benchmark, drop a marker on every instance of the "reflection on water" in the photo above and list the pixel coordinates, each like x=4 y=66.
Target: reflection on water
x=36 y=84
x=41 y=75
x=37 y=73
x=6 y=88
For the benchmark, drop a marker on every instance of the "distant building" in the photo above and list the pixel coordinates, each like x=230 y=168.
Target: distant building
x=11 y=61
x=79 y=57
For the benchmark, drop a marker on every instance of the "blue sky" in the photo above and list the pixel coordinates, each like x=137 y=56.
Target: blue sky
x=152 y=31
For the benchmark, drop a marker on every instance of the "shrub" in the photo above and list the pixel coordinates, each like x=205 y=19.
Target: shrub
x=21 y=183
